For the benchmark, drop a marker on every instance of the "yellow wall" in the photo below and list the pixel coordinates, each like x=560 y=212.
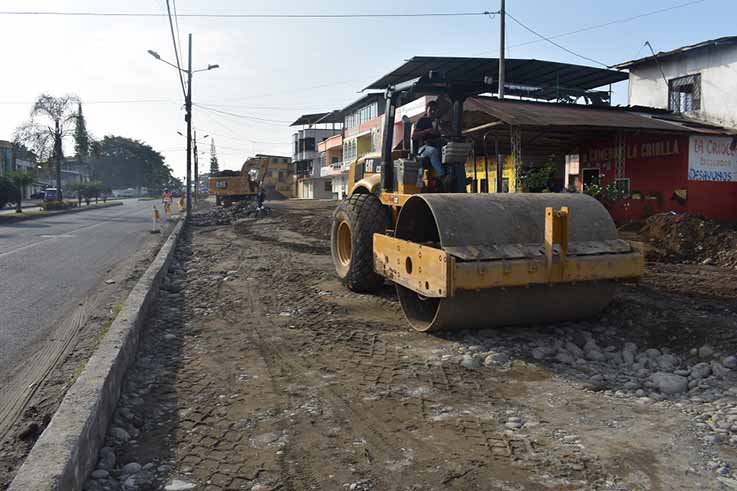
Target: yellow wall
x=507 y=173
x=363 y=144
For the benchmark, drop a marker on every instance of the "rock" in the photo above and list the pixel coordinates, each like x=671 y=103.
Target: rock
x=631 y=347
x=631 y=385
x=177 y=485
x=668 y=383
x=730 y=362
x=667 y=363
x=574 y=350
x=718 y=369
x=706 y=351
x=708 y=260
x=496 y=359
x=595 y=355
x=652 y=353
x=107 y=458
x=120 y=434
x=513 y=425
x=628 y=357
x=131 y=468
x=471 y=362
x=683 y=373
x=100 y=474
x=564 y=357
x=538 y=354
x=640 y=393
x=700 y=370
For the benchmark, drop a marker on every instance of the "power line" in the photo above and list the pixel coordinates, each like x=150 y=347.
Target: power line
x=176 y=51
x=243 y=116
x=176 y=22
x=553 y=42
x=244 y=16
x=605 y=24
x=615 y=21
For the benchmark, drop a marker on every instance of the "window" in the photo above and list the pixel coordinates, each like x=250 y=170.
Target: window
x=328 y=186
x=334 y=160
x=281 y=175
x=684 y=94
x=590 y=177
x=309 y=144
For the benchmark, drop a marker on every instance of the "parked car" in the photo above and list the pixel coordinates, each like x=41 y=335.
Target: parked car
x=51 y=194
x=38 y=195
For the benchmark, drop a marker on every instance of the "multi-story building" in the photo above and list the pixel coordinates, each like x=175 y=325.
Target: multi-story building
x=362 y=127
x=278 y=180
x=306 y=158
x=697 y=81
x=331 y=164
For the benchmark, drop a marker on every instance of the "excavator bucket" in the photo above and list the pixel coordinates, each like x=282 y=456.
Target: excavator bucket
x=484 y=260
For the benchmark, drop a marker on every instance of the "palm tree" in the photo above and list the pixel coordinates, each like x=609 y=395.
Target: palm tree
x=20 y=180
x=52 y=120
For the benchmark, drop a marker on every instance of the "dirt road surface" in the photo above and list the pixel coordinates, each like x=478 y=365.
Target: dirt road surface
x=261 y=372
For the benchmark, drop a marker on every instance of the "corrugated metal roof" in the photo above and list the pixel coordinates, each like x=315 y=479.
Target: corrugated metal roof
x=719 y=42
x=309 y=119
x=523 y=76
x=543 y=114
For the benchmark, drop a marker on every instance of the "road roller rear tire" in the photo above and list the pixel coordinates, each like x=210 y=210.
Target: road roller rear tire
x=355 y=222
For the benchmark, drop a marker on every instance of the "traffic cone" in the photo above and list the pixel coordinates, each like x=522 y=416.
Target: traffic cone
x=156 y=218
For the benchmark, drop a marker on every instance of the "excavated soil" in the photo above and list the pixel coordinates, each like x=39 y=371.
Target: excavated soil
x=261 y=372
x=684 y=238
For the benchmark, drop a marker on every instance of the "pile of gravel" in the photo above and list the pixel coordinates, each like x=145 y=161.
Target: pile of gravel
x=218 y=215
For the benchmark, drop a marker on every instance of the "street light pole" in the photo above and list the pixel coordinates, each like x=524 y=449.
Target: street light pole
x=188 y=118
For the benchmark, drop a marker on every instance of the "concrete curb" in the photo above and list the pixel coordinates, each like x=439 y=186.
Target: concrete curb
x=10 y=218
x=66 y=452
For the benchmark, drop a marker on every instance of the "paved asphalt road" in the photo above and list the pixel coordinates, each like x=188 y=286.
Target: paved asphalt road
x=48 y=265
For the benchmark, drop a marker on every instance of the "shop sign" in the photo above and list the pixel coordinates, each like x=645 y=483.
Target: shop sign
x=712 y=158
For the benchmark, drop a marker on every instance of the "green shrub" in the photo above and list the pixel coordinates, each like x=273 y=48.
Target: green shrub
x=8 y=192
x=58 y=205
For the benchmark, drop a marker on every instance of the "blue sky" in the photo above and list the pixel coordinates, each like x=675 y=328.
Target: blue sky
x=276 y=69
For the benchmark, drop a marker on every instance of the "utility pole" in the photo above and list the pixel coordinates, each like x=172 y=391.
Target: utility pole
x=188 y=118
x=196 y=169
x=501 y=50
x=500 y=91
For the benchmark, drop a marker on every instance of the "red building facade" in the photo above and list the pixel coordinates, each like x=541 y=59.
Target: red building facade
x=694 y=174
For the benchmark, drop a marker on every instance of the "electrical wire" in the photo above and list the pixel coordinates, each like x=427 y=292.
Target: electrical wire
x=553 y=42
x=615 y=21
x=176 y=51
x=245 y=16
x=243 y=116
x=176 y=22
x=599 y=26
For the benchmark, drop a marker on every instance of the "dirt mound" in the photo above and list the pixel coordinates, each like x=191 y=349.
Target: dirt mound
x=684 y=238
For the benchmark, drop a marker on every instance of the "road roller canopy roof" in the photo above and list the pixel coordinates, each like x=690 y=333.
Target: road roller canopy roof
x=546 y=80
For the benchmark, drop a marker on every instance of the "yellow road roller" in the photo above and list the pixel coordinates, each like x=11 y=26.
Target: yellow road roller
x=471 y=260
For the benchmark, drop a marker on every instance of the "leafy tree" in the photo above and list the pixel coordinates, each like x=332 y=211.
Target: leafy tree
x=20 y=180
x=123 y=162
x=52 y=121
x=214 y=166
x=81 y=137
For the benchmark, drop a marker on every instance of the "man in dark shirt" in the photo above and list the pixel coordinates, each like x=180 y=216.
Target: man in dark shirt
x=426 y=135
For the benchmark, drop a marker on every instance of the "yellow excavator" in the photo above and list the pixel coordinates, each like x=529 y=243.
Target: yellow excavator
x=471 y=260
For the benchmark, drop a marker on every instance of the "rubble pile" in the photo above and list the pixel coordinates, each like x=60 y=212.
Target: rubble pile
x=684 y=238
x=218 y=215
